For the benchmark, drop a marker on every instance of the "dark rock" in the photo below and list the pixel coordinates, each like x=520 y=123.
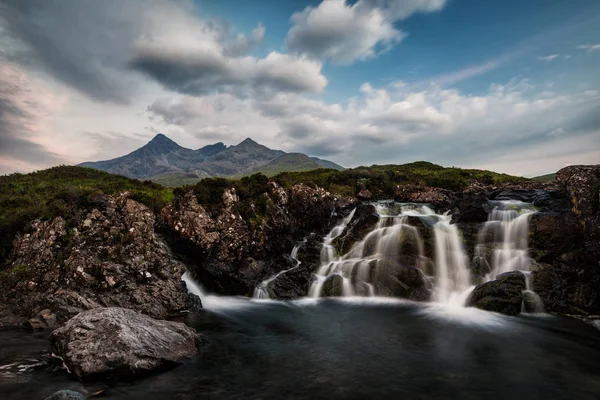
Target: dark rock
x=117 y=342
x=503 y=295
x=403 y=281
x=551 y=235
x=333 y=286
x=364 y=220
x=66 y=395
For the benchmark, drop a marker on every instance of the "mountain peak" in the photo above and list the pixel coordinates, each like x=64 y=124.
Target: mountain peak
x=162 y=143
x=248 y=142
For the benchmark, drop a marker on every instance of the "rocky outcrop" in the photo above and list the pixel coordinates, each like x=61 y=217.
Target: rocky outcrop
x=107 y=256
x=118 y=342
x=237 y=244
x=503 y=295
x=437 y=197
x=583 y=184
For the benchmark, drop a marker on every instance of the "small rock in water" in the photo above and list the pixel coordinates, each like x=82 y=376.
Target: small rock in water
x=66 y=395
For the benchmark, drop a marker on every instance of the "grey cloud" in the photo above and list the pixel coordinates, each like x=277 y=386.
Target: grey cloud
x=321 y=148
x=14 y=136
x=80 y=43
x=199 y=74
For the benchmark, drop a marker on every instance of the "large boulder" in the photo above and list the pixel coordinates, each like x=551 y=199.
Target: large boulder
x=117 y=342
x=503 y=295
x=109 y=256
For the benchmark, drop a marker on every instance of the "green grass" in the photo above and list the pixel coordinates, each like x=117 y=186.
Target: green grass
x=60 y=191
x=176 y=179
x=545 y=178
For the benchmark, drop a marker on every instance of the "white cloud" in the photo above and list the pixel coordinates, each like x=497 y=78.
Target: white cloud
x=549 y=58
x=589 y=47
x=343 y=33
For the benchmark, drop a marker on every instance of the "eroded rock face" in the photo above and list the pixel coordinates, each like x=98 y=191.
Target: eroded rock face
x=583 y=184
x=503 y=295
x=118 y=342
x=232 y=254
x=109 y=256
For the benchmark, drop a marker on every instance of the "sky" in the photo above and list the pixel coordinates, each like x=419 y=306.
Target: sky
x=507 y=85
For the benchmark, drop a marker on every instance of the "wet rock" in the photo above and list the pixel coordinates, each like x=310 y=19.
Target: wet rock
x=503 y=295
x=118 y=342
x=333 y=286
x=66 y=395
x=116 y=259
x=364 y=220
x=400 y=281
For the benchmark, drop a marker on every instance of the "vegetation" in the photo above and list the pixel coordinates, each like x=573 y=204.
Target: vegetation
x=60 y=191
x=545 y=178
x=381 y=180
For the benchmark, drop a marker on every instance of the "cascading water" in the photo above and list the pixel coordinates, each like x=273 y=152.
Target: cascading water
x=502 y=246
x=368 y=268
x=262 y=290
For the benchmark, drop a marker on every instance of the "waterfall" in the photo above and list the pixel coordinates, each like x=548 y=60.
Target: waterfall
x=453 y=282
x=370 y=266
x=261 y=292
x=503 y=246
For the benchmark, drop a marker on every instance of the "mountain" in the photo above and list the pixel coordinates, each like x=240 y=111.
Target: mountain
x=164 y=161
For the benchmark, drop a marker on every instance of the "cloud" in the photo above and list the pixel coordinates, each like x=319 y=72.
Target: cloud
x=205 y=68
x=549 y=58
x=589 y=47
x=81 y=45
x=24 y=108
x=91 y=46
x=343 y=33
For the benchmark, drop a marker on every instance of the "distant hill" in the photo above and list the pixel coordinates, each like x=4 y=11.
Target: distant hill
x=164 y=161
x=545 y=178
x=291 y=162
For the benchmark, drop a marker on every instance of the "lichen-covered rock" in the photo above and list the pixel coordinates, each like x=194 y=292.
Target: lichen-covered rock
x=503 y=295
x=118 y=342
x=107 y=256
